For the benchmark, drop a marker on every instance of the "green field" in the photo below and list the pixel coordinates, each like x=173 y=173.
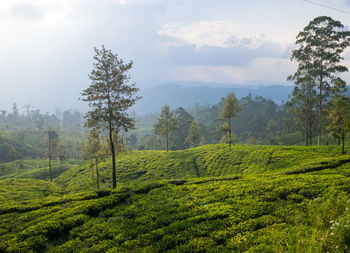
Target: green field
x=206 y=199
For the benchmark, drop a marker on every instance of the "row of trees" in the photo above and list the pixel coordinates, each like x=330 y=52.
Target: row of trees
x=33 y=119
x=188 y=131
x=168 y=123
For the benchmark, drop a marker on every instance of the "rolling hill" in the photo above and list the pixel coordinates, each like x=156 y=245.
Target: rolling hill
x=206 y=199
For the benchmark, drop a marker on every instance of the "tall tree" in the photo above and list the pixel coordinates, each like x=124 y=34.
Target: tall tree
x=194 y=134
x=110 y=95
x=320 y=46
x=230 y=111
x=166 y=123
x=339 y=118
x=303 y=103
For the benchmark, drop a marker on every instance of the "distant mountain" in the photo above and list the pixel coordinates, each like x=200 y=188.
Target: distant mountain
x=176 y=95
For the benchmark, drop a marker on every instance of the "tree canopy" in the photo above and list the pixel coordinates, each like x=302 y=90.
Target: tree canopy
x=320 y=46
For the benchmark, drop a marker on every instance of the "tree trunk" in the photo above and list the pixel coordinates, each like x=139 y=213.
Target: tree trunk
x=320 y=113
x=229 y=131
x=114 y=174
x=167 y=142
x=50 y=156
x=310 y=134
x=343 y=144
x=97 y=175
x=307 y=138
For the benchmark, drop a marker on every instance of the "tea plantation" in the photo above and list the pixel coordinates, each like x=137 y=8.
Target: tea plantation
x=206 y=199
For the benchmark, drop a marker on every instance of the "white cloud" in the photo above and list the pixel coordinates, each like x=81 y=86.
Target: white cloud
x=265 y=69
x=221 y=33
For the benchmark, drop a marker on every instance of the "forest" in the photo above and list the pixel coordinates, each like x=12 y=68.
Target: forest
x=241 y=175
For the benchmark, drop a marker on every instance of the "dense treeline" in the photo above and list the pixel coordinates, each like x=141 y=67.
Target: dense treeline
x=36 y=120
x=260 y=121
x=25 y=134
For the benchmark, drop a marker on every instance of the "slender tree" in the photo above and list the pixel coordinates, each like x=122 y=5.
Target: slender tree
x=230 y=111
x=320 y=46
x=194 y=134
x=93 y=149
x=110 y=95
x=339 y=118
x=166 y=123
x=52 y=145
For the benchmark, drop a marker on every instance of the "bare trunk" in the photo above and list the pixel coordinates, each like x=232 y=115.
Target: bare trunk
x=50 y=156
x=343 y=144
x=229 y=131
x=310 y=136
x=97 y=175
x=114 y=174
x=307 y=138
x=320 y=113
x=167 y=142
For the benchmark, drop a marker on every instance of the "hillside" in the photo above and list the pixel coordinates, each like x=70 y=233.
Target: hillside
x=206 y=199
x=187 y=95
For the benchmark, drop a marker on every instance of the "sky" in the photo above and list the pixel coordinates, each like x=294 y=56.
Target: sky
x=46 y=46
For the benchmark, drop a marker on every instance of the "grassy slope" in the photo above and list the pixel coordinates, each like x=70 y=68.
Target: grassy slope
x=256 y=198
x=13 y=191
x=28 y=179
x=207 y=161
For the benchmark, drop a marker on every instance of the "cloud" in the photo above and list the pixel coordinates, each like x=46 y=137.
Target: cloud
x=27 y=11
x=238 y=55
x=263 y=69
x=220 y=33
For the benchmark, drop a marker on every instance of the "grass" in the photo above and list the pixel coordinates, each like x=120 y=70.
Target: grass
x=206 y=199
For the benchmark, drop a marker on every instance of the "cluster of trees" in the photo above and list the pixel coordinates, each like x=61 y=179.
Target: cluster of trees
x=25 y=134
x=33 y=119
x=318 y=102
x=180 y=126
x=259 y=121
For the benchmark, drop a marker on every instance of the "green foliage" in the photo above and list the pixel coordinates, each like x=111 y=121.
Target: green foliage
x=166 y=123
x=320 y=46
x=110 y=95
x=254 y=198
x=194 y=134
x=178 y=136
x=339 y=118
x=230 y=111
x=36 y=169
x=17 y=190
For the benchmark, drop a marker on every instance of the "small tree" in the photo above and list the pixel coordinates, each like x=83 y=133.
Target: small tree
x=339 y=118
x=93 y=149
x=194 y=134
x=166 y=123
x=229 y=112
x=110 y=95
x=52 y=145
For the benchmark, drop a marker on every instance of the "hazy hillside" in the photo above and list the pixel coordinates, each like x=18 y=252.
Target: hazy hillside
x=207 y=199
x=187 y=95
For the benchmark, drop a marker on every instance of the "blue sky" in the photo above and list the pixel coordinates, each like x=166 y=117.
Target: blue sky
x=46 y=47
